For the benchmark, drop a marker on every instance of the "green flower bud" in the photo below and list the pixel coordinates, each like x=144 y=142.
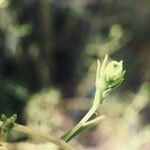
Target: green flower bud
x=114 y=73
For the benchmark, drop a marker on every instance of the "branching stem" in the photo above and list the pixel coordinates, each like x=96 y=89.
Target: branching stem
x=93 y=109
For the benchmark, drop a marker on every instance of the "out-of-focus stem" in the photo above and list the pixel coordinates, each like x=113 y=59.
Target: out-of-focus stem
x=24 y=129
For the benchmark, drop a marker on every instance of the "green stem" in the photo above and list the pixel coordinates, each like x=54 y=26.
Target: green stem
x=93 y=109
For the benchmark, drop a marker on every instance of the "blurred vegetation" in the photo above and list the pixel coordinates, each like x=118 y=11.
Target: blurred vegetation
x=52 y=44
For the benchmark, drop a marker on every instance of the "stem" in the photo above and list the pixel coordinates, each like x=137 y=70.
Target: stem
x=20 y=128
x=93 y=109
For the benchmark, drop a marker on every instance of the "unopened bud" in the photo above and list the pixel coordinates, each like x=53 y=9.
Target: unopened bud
x=114 y=72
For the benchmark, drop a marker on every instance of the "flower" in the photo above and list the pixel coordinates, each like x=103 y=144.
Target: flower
x=114 y=73
x=109 y=76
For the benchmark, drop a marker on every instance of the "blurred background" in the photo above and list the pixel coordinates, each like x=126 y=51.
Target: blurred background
x=48 y=53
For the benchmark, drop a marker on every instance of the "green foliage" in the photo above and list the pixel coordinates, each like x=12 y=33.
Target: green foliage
x=7 y=125
x=55 y=43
